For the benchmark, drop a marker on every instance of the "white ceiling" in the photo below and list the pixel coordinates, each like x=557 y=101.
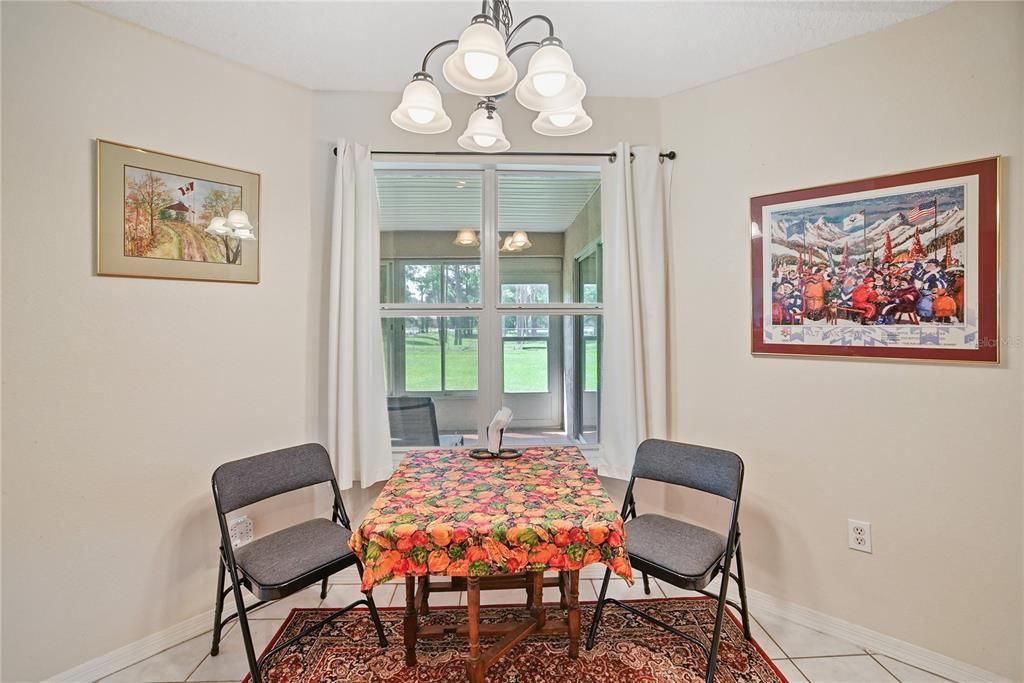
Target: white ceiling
x=625 y=48
x=535 y=202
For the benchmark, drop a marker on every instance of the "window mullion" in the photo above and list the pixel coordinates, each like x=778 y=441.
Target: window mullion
x=488 y=347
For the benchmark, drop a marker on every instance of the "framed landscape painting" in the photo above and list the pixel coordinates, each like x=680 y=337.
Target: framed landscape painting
x=154 y=214
x=901 y=267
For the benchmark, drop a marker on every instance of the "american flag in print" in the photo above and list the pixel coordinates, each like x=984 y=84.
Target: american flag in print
x=922 y=211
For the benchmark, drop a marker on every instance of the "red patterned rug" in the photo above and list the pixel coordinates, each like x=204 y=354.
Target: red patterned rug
x=628 y=649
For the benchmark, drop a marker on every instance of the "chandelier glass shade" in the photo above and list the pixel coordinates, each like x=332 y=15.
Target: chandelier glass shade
x=562 y=122
x=551 y=82
x=236 y=225
x=517 y=241
x=484 y=133
x=421 y=109
x=467 y=238
x=481 y=66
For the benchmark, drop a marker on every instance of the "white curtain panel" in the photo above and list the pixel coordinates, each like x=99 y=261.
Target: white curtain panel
x=635 y=222
x=357 y=416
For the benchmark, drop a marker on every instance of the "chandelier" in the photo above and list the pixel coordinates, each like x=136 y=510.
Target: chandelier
x=480 y=66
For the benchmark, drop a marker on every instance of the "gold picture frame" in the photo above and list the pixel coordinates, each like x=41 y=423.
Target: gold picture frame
x=153 y=209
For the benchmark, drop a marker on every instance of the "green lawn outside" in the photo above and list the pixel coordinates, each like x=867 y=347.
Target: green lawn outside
x=526 y=364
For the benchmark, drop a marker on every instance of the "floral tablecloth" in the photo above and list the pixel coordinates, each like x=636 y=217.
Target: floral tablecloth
x=446 y=514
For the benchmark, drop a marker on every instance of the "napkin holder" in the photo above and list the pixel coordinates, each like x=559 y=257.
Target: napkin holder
x=502 y=454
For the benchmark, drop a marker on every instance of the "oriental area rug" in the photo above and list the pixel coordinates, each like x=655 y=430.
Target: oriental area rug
x=628 y=649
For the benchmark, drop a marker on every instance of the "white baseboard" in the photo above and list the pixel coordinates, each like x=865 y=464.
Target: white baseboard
x=872 y=641
x=760 y=603
x=141 y=649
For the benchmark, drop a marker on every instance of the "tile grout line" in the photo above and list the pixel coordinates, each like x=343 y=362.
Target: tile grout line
x=884 y=667
x=799 y=670
x=861 y=654
x=771 y=638
x=912 y=666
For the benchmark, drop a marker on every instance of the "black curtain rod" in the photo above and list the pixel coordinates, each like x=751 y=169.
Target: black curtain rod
x=670 y=155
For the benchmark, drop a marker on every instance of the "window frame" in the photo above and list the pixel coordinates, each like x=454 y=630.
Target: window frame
x=490 y=310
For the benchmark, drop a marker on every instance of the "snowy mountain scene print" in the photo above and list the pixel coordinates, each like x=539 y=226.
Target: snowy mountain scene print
x=900 y=270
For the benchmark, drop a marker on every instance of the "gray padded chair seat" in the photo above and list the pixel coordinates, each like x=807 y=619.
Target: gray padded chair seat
x=290 y=553
x=684 y=549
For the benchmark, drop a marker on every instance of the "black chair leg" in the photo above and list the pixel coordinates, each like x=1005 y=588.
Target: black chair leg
x=647 y=584
x=323 y=589
x=598 y=609
x=742 y=581
x=243 y=624
x=218 y=611
x=372 y=606
x=717 y=637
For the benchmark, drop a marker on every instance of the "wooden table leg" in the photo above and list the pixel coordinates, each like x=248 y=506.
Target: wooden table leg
x=424 y=595
x=563 y=586
x=574 y=613
x=409 y=625
x=475 y=666
x=537 y=597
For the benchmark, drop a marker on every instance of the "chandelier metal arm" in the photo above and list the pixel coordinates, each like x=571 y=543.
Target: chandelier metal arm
x=520 y=46
x=524 y=22
x=431 y=51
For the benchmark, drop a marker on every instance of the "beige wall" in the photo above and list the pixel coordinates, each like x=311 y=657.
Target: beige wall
x=120 y=396
x=930 y=454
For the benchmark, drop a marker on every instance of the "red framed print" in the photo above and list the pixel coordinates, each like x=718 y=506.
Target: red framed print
x=901 y=267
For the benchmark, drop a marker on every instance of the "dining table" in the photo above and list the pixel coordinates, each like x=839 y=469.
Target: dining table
x=490 y=523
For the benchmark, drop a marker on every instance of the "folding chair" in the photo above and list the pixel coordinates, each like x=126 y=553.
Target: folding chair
x=679 y=553
x=286 y=561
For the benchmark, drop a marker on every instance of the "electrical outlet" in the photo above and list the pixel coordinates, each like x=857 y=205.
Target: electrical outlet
x=859 y=535
x=240 y=531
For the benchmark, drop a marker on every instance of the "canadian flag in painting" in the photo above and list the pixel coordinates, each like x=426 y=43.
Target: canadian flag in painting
x=854 y=221
x=188 y=187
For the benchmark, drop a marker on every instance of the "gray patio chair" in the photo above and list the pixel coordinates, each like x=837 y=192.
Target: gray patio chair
x=413 y=421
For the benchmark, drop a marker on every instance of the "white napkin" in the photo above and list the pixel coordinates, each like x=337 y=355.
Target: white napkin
x=501 y=420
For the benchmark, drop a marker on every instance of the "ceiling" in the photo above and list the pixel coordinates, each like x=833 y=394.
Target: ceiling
x=536 y=202
x=625 y=49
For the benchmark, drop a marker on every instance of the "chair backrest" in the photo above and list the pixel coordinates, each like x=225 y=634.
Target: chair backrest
x=243 y=482
x=697 y=467
x=413 y=421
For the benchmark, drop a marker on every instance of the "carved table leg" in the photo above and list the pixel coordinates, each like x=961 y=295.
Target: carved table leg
x=563 y=578
x=529 y=589
x=574 y=613
x=409 y=625
x=475 y=665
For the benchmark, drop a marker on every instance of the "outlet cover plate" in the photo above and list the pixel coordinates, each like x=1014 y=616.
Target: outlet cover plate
x=859 y=535
x=240 y=529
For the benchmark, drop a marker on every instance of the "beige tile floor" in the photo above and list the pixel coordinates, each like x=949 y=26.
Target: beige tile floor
x=802 y=654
